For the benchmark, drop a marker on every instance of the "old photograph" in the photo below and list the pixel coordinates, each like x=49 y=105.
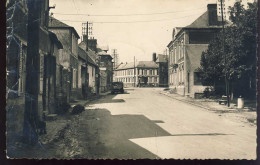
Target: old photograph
x=131 y=79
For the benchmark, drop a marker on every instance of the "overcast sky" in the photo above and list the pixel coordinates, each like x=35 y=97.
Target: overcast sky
x=148 y=32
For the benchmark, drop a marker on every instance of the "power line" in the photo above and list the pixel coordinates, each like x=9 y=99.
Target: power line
x=159 y=20
x=104 y=15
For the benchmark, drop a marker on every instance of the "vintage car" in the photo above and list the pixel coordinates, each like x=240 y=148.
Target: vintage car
x=117 y=87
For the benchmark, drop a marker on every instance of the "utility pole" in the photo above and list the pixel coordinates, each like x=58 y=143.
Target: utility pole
x=86 y=31
x=32 y=72
x=225 y=57
x=115 y=58
x=87 y=36
x=134 y=71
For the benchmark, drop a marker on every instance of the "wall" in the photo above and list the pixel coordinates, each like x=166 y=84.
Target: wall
x=92 y=78
x=64 y=37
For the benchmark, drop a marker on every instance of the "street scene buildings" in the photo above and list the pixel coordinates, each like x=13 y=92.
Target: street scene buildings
x=185 y=51
x=187 y=86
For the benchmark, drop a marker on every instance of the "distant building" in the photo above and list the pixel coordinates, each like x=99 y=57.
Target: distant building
x=106 y=70
x=185 y=52
x=93 y=72
x=162 y=61
x=141 y=74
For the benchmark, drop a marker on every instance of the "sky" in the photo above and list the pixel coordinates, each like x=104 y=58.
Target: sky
x=133 y=27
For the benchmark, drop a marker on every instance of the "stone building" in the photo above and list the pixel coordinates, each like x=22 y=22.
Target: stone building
x=162 y=61
x=17 y=52
x=106 y=70
x=185 y=52
x=68 y=58
x=141 y=74
x=93 y=73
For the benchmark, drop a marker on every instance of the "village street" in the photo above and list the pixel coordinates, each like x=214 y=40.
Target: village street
x=142 y=123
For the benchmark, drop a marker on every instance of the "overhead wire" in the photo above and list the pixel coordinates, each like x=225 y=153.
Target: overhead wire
x=159 y=20
x=104 y=15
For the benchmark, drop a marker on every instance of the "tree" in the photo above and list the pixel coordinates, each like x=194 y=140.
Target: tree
x=240 y=50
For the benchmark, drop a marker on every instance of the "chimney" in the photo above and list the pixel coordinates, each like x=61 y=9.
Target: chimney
x=212 y=14
x=154 y=57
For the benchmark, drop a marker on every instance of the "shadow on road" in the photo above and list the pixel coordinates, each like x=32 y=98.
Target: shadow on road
x=107 y=136
x=206 y=134
x=109 y=99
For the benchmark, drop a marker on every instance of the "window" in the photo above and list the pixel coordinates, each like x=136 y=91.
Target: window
x=151 y=72
x=197 y=78
x=200 y=37
x=182 y=49
x=179 y=51
x=175 y=55
x=145 y=72
x=172 y=59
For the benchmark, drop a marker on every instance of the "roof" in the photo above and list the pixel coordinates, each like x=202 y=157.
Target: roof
x=91 y=53
x=82 y=53
x=103 y=53
x=147 y=64
x=140 y=64
x=85 y=55
x=54 y=38
x=162 y=58
x=126 y=66
x=203 y=22
x=54 y=23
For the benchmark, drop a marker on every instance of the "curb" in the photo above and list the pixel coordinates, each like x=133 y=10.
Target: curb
x=189 y=102
x=85 y=102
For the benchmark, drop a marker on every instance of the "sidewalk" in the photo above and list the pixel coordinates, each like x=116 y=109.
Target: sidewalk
x=56 y=128
x=247 y=115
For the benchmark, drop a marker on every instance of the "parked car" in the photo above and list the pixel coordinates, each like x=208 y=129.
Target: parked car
x=117 y=87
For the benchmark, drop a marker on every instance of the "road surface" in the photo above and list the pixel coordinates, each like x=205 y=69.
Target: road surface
x=142 y=123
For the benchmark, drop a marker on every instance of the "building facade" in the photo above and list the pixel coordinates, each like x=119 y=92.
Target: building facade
x=68 y=57
x=106 y=71
x=162 y=61
x=185 y=52
x=93 y=73
x=48 y=46
x=141 y=74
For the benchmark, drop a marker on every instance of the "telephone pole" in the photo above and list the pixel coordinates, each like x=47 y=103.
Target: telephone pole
x=134 y=71
x=86 y=31
x=32 y=73
x=115 y=58
x=225 y=57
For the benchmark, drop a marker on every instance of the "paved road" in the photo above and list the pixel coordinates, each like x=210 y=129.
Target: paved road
x=145 y=124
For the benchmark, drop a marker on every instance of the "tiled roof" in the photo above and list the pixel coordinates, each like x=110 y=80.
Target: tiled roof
x=162 y=58
x=54 y=23
x=140 y=64
x=91 y=57
x=126 y=66
x=103 y=53
x=54 y=38
x=86 y=56
x=203 y=22
x=147 y=64
x=82 y=53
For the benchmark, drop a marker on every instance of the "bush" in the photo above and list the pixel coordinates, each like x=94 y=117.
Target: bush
x=209 y=92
